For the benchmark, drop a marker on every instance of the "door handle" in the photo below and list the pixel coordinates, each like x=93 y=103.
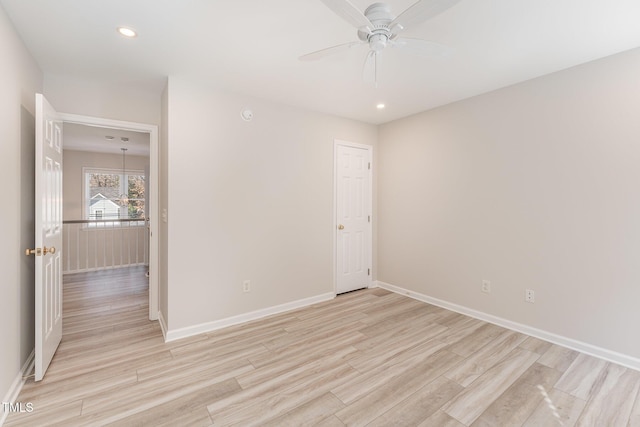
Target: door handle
x=38 y=251
x=340 y=227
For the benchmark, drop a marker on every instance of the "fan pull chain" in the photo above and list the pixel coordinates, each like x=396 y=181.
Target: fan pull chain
x=375 y=69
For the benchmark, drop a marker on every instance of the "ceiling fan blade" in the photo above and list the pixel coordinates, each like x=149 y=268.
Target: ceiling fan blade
x=422 y=47
x=319 y=54
x=347 y=11
x=420 y=12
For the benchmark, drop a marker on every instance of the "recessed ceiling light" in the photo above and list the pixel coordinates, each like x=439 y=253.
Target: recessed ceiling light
x=380 y=106
x=127 y=32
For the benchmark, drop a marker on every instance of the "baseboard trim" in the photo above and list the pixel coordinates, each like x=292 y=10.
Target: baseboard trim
x=16 y=386
x=591 y=350
x=172 y=335
x=163 y=325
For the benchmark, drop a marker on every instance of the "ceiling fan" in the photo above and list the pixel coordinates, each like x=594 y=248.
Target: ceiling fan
x=379 y=28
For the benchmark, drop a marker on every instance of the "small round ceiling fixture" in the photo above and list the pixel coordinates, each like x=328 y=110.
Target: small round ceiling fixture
x=380 y=106
x=124 y=139
x=109 y=138
x=127 y=32
x=246 y=114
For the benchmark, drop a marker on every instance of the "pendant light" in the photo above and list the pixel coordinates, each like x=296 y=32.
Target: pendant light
x=124 y=199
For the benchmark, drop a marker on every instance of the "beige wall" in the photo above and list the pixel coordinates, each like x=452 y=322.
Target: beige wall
x=532 y=186
x=20 y=79
x=249 y=200
x=74 y=161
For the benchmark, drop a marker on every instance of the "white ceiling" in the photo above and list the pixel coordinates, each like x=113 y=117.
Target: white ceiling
x=91 y=138
x=252 y=46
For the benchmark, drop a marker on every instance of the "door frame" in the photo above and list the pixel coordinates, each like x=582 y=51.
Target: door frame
x=369 y=148
x=154 y=181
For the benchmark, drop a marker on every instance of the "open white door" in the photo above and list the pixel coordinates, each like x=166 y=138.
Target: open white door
x=353 y=216
x=48 y=238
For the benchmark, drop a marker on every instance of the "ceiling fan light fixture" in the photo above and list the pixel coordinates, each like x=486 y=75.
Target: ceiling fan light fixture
x=127 y=32
x=377 y=42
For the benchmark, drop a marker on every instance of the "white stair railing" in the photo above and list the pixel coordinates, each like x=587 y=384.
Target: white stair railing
x=91 y=245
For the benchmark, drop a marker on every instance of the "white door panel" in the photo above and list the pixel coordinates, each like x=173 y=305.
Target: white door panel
x=353 y=217
x=48 y=235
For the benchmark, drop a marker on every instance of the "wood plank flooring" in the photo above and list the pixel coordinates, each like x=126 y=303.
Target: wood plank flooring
x=366 y=358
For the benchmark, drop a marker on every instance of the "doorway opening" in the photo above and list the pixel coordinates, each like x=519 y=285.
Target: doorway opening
x=130 y=240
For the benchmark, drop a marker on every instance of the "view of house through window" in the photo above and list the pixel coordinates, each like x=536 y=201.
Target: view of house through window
x=108 y=196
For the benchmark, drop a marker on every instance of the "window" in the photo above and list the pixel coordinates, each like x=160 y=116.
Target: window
x=107 y=196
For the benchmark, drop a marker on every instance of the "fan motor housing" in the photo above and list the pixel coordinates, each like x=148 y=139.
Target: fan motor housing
x=379 y=13
x=380 y=16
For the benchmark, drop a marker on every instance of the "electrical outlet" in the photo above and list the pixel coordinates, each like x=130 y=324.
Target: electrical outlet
x=246 y=286
x=486 y=286
x=530 y=296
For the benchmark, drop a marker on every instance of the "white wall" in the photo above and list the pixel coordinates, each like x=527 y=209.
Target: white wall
x=249 y=200
x=99 y=98
x=20 y=79
x=532 y=186
x=163 y=202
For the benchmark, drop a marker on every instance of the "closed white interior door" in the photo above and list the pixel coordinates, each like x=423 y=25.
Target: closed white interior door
x=48 y=237
x=353 y=216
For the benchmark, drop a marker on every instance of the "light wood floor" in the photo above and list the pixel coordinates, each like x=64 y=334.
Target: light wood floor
x=366 y=358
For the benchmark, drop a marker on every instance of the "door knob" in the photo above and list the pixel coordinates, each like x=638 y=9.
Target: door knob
x=340 y=227
x=38 y=251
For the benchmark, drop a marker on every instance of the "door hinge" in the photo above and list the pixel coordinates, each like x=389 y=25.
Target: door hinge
x=369 y=165
x=369 y=218
x=368 y=272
